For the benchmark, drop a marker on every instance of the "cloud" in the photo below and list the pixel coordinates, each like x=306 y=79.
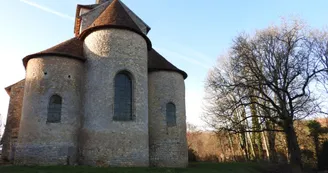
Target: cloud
x=191 y=52
x=46 y=9
x=184 y=57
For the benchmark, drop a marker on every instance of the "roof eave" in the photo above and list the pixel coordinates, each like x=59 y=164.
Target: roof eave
x=8 y=89
x=88 y=31
x=42 y=55
x=184 y=74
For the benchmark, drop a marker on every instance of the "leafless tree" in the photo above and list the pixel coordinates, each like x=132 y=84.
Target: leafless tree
x=278 y=64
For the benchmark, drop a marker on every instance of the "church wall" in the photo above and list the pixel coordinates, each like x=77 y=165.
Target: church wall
x=107 y=142
x=13 y=120
x=167 y=144
x=41 y=142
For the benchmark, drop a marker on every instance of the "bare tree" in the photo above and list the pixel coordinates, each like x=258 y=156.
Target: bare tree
x=280 y=64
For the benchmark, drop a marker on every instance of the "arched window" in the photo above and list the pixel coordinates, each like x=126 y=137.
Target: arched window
x=54 y=109
x=170 y=115
x=123 y=97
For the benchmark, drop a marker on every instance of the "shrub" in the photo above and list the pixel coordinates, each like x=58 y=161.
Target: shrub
x=308 y=158
x=323 y=157
x=192 y=155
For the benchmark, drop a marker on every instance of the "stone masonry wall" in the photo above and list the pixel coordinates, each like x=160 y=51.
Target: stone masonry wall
x=13 y=120
x=40 y=142
x=107 y=142
x=167 y=145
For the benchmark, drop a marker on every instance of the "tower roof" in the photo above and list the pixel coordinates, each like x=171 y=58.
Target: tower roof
x=114 y=16
x=156 y=62
x=72 y=48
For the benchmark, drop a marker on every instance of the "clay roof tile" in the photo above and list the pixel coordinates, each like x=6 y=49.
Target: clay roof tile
x=156 y=62
x=114 y=16
x=8 y=88
x=72 y=48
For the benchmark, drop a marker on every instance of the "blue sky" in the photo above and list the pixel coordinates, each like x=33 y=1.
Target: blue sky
x=189 y=33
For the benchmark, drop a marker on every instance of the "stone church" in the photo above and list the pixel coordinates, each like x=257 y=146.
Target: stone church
x=102 y=98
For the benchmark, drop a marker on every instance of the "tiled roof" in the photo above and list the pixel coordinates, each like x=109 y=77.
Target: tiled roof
x=157 y=62
x=8 y=88
x=114 y=16
x=72 y=48
x=77 y=16
x=90 y=6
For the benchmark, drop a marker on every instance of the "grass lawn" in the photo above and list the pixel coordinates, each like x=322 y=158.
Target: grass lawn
x=193 y=168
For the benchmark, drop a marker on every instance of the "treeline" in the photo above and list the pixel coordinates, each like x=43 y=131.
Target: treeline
x=224 y=146
x=263 y=85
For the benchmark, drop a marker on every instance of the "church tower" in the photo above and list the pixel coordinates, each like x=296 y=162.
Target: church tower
x=115 y=129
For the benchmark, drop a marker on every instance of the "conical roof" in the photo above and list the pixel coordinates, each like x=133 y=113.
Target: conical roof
x=114 y=16
x=72 y=48
x=156 y=62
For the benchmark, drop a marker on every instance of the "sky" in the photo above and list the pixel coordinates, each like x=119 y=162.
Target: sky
x=191 y=34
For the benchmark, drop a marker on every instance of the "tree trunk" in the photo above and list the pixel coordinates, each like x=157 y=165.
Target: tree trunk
x=256 y=137
x=243 y=145
x=271 y=141
x=243 y=137
x=223 y=148
x=231 y=147
x=259 y=145
x=316 y=146
x=293 y=147
x=251 y=148
x=266 y=145
x=272 y=144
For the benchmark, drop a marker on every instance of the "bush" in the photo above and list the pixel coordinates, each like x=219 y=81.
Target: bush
x=192 y=155
x=308 y=158
x=323 y=157
x=211 y=158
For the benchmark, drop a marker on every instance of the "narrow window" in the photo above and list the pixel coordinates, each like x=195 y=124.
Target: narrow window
x=170 y=115
x=123 y=97
x=54 y=109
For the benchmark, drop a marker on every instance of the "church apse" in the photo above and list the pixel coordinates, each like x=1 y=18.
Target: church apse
x=102 y=98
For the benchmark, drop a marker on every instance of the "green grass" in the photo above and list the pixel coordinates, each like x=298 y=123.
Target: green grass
x=193 y=168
